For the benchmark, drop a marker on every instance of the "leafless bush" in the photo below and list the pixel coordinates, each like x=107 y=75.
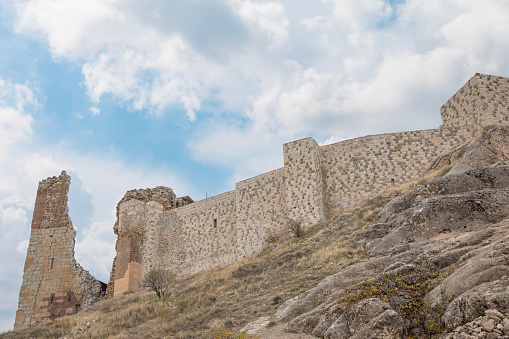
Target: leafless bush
x=295 y=227
x=158 y=281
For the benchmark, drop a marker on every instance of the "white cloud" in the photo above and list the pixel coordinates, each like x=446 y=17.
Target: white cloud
x=332 y=140
x=343 y=68
x=15 y=125
x=246 y=150
x=75 y=29
x=359 y=15
x=15 y=197
x=22 y=247
x=268 y=18
x=192 y=104
x=248 y=62
x=95 y=111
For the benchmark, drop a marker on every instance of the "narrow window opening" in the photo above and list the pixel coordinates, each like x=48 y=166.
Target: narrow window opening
x=51 y=299
x=215 y=222
x=52 y=260
x=69 y=297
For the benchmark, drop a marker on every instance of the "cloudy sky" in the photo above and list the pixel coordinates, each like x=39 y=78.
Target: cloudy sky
x=198 y=94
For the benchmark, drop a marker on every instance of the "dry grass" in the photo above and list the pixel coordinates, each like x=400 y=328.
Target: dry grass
x=225 y=299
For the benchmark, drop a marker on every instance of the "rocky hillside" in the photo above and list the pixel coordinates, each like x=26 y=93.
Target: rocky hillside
x=430 y=259
x=439 y=261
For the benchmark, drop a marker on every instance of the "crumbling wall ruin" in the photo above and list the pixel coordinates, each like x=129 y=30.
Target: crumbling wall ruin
x=156 y=229
x=54 y=284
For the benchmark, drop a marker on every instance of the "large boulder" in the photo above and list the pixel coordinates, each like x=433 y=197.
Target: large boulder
x=491 y=147
x=461 y=212
x=474 y=302
x=491 y=263
x=493 y=177
x=370 y=318
x=348 y=277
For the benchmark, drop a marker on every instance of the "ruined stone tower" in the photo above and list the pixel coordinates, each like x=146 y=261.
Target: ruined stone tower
x=138 y=240
x=54 y=284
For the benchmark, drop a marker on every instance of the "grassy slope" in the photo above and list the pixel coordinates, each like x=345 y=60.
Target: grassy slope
x=231 y=296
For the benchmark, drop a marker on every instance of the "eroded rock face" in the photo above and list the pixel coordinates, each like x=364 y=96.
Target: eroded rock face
x=370 y=318
x=494 y=178
x=470 y=304
x=491 y=147
x=450 y=236
x=330 y=288
x=436 y=215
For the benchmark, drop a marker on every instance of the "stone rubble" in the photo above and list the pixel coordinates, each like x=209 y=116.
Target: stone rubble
x=492 y=325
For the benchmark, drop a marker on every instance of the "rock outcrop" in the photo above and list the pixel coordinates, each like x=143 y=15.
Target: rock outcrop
x=439 y=265
x=491 y=147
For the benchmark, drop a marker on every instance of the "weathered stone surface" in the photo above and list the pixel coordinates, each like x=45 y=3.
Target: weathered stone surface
x=347 y=277
x=370 y=318
x=256 y=326
x=387 y=325
x=446 y=213
x=474 y=302
x=338 y=330
x=494 y=314
x=474 y=180
x=362 y=312
x=448 y=157
x=53 y=283
x=372 y=236
x=305 y=323
x=324 y=323
x=491 y=147
x=490 y=266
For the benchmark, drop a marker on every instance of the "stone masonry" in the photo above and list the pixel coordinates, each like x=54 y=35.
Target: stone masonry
x=156 y=229
x=315 y=180
x=54 y=284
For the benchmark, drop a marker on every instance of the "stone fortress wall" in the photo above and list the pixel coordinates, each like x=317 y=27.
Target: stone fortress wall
x=482 y=101
x=54 y=284
x=156 y=229
x=314 y=181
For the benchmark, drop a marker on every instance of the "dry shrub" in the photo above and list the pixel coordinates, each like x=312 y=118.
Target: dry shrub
x=295 y=227
x=158 y=281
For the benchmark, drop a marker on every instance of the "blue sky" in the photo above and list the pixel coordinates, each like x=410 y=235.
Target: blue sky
x=197 y=95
